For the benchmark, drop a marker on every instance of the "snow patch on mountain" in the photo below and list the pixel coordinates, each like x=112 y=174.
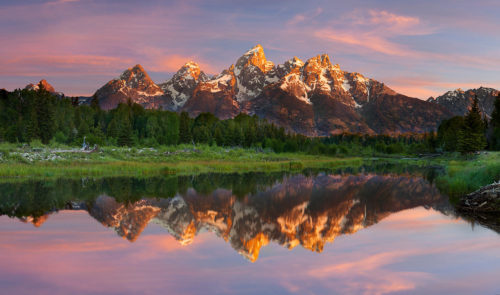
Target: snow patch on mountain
x=293 y=85
x=215 y=84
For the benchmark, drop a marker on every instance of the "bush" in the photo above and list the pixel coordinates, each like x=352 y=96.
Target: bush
x=59 y=137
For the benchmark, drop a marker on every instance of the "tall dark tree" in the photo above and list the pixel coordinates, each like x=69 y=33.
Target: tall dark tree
x=472 y=136
x=495 y=125
x=185 y=135
x=125 y=135
x=32 y=126
x=44 y=114
x=449 y=133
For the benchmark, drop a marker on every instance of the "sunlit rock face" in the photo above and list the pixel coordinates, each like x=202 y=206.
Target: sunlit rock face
x=299 y=210
x=134 y=84
x=315 y=97
x=43 y=83
x=182 y=85
x=215 y=96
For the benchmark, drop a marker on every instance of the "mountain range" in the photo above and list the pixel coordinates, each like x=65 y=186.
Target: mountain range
x=315 y=97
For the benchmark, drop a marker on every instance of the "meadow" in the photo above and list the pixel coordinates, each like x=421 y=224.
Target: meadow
x=462 y=174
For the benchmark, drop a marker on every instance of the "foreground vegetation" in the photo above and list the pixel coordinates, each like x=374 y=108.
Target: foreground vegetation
x=467 y=174
x=460 y=174
x=184 y=159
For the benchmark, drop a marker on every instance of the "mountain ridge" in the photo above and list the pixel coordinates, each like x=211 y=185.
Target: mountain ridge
x=314 y=98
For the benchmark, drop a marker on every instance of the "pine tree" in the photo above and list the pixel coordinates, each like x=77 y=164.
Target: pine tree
x=472 y=136
x=219 y=138
x=125 y=135
x=495 y=125
x=44 y=114
x=32 y=127
x=185 y=128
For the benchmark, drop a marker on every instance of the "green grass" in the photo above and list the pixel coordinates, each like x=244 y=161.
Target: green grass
x=464 y=176
x=17 y=162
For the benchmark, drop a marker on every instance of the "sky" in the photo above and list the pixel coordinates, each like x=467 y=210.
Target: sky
x=419 y=48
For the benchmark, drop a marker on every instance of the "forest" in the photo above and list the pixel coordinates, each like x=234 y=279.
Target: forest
x=28 y=116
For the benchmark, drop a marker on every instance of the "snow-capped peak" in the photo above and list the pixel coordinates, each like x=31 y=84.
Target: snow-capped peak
x=250 y=72
x=191 y=70
x=181 y=86
x=257 y=49
x=137 y=71
x=253 y=57
x=42 y=82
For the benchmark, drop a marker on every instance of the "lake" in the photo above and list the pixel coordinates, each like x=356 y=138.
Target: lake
x=315 y=232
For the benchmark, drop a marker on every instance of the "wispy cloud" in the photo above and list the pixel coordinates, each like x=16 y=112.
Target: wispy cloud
x=374 y=31
x=61 y=2
x=303 y=17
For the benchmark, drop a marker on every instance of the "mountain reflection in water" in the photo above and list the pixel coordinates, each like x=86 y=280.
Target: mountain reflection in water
x=247 y=211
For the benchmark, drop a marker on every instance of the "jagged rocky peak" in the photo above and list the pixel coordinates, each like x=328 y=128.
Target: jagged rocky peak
x=321 y=61
x=459 y=101
x=222 y=82
x=292 y=65
x=137 y=77
x=191 y=70
x=254 y=57
x=250 y=72
x=135 y=84
x=42 y=82
x=181 y=86
x=320 y=75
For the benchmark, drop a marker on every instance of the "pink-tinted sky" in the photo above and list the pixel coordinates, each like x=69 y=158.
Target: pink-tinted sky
x=419 y=48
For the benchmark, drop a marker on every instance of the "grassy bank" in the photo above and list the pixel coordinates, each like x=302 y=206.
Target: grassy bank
x=42 y=162
x=465 y=175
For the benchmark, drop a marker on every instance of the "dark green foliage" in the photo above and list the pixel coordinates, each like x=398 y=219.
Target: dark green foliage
x=495 y=126
x=44 y=114
x=448 y=133
x=125 y=136
x=28 y=115
x=472 y=137
x=185 y=135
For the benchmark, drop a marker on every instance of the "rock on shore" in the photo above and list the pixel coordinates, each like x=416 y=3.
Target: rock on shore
x=485 y=199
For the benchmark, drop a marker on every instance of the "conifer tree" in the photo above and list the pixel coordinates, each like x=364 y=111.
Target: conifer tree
x=185 y=128
x=125 y=135
x=472 y=136
x=32 y=127
x=495 y=124
x=44 y=114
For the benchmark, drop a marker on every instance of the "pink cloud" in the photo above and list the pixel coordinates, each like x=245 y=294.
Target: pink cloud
x=303 y=17
x=61 y=2
x=390 y=19
x=368 y=41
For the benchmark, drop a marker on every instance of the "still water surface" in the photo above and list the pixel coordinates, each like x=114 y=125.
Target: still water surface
x=258 y=233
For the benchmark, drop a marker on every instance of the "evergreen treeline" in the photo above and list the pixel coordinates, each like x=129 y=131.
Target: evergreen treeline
x=27 y=115
x=472 y=132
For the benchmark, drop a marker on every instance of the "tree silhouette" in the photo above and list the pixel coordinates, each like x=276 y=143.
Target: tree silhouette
x=472 y=135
